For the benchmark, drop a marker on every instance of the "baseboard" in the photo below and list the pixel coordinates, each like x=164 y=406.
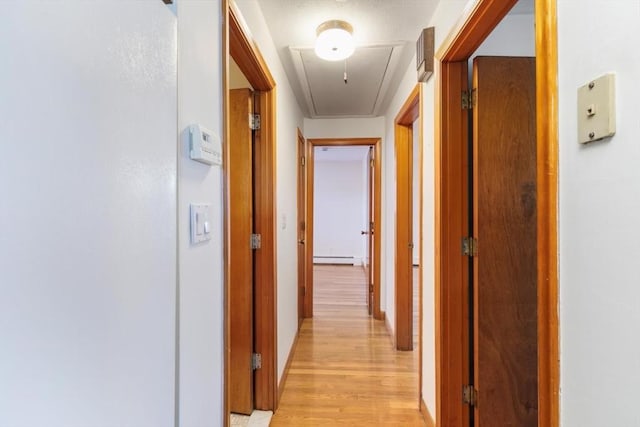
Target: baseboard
x=287 y=365
x=333 y=260
x=428 y=419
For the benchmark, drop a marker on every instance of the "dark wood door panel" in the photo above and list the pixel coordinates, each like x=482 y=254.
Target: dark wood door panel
x=505 y=270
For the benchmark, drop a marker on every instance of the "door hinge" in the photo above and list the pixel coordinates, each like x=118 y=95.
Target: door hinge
x=370 y=287
x=469 y=395
x=469 y=246
x=256 y=361
x=254 y=121
x=256 y=241
x=468 y=99
x=302 y=161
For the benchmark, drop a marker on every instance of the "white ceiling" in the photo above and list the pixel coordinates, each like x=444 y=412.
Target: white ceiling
x=385 y=32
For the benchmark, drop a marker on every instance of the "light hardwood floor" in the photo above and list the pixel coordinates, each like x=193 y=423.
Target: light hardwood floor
x=344 y=369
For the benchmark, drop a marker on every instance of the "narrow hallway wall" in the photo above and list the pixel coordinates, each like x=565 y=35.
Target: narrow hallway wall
x=201 y=286
x=88 y=172
x=599 y=210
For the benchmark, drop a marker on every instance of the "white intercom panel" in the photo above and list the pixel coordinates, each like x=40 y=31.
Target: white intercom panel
x=205 y=146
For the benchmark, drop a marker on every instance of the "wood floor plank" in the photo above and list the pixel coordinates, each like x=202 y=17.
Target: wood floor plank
x=344 y=369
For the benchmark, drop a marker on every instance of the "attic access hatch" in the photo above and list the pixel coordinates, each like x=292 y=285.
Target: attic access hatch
x=369 y=70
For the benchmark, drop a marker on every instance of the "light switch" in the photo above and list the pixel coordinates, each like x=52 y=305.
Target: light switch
x=596 y=109
x=199 y=226
x=200 y=222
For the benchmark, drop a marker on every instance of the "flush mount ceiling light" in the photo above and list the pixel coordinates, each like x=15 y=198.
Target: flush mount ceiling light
x=334 y=40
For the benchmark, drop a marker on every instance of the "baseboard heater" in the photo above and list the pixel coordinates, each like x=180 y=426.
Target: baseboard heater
x=347 y=260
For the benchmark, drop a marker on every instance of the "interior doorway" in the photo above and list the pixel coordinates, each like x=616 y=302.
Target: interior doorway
x=372 y=262
x=458 y=210
x=407 y=249
x=252 y=304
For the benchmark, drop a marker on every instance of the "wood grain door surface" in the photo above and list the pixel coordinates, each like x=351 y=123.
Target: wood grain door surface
x=302 y=215
x=240 y=253
x=504 y=205
x=404 y=237
x=370 y=260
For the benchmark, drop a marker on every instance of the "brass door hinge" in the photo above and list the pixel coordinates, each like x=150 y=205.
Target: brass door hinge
x=256 y=241
x=256 y=361
x=254 y=121
x=469 y=99
x=469 y=395
x=469 y=246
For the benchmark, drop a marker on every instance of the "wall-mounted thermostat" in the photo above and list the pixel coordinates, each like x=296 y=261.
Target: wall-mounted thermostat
x=205 y=146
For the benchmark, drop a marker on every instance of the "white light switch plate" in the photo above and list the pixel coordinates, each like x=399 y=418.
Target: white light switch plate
x=200 y=222
x=597 y=109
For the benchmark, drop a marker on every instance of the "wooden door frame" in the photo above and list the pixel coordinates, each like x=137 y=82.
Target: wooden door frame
x=301 y=158
x=410 y=111
x=238 y=45
x=377 y=214
x=452 y=206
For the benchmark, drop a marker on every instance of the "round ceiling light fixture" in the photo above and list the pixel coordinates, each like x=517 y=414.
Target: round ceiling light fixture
x=334 y=40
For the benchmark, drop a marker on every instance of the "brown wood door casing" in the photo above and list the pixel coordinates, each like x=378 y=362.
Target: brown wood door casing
x=370 y=229
x=301 y=223
x=377 y=214
x=403 y=144
x=238 y=45
x=240 y=252
x=504 y=212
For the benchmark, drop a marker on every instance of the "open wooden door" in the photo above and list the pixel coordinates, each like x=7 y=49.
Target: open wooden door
x=505 y=270
x=302 y=234
x=241 y=398
x=404 y=236
x=370 y=259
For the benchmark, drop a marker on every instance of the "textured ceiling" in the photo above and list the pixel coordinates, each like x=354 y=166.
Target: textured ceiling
x=385 y=32
x=324 y=87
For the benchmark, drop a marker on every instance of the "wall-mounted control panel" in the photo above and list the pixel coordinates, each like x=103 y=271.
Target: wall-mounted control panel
x=597 y=109
x=205 y=146
x=200 y=222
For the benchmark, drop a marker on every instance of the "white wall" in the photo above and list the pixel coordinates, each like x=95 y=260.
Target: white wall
x=88 y=214
x=344 y=128
x=339 y=197
x=201 y=306
x=599 y=212
x=514 y=36
x=289 y=118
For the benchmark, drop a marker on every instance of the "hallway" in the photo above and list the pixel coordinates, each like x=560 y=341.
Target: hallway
x=344 y=370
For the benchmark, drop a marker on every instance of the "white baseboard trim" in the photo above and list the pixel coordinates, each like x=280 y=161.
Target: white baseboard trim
x=347 y=260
